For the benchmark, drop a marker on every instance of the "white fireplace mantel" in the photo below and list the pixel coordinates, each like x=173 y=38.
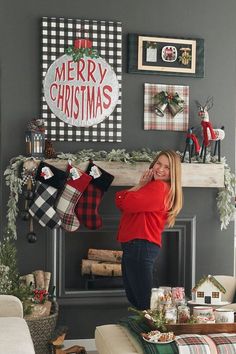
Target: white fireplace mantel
x=208 y=175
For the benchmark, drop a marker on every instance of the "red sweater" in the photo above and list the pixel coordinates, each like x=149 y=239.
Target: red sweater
x=143 y=212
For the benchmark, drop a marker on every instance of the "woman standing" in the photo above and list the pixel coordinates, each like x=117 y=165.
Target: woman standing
x=146 y=209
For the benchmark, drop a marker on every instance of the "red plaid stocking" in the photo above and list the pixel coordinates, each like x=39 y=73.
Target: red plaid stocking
x=87 y=208
x=71 y=193
x=88 y=205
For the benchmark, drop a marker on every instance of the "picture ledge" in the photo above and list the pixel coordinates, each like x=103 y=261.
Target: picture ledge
x=193 y=174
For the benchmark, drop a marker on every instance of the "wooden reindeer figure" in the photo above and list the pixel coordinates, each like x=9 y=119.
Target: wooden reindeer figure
x=209 y=133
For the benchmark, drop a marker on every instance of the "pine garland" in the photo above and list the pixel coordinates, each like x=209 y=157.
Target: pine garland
x=14 y=182
x=225 y=196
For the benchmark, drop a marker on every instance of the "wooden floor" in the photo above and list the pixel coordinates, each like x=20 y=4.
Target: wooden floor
x=89 y=344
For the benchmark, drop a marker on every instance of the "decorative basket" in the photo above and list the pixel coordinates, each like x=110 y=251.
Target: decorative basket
x=41 y=330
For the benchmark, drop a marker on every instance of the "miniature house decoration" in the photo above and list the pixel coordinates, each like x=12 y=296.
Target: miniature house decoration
x=208 y=291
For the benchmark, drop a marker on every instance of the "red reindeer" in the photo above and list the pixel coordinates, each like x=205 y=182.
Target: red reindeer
x=210 y=134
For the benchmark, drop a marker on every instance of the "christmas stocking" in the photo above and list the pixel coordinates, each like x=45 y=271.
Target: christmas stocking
x=50 y=181
x=87 y=207
x=71 y=193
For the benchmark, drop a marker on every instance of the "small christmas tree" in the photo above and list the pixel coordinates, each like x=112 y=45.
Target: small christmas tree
x=9 y=275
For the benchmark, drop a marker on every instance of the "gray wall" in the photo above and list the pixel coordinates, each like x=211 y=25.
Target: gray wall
x=212 y=20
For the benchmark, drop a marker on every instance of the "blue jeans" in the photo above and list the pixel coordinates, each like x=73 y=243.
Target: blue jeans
x=137 y=271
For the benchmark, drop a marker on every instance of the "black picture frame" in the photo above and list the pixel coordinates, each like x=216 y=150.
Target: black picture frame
x=148 y=54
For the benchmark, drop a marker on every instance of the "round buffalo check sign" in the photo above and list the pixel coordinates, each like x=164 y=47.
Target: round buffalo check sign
x=81 y=93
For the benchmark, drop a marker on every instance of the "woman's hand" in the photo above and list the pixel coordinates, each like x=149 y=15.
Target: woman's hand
x=146 y=177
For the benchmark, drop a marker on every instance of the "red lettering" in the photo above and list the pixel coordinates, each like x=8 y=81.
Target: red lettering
x=80 y=69
x=82 y=88
x=90 y=103
x=91 y=69
x=76 y=112
x=98 y=103
x=66 y=101
x=60 y=97
x=69 y=70
x=60 y=75
x=107 y=88
x=102 y=73
x=71 y=100
x=53 y=98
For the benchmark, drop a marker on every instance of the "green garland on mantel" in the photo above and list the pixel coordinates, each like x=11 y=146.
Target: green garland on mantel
x=225 y=196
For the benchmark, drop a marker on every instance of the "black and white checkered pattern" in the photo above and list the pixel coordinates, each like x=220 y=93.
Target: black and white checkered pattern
x=106 y=36
x=42 y=208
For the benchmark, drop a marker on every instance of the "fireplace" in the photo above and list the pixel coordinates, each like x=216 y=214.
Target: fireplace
x=175 y=266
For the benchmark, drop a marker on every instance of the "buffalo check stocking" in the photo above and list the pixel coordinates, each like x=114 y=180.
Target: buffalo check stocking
x=71 y=193
x=89 y=202
x=49 y=182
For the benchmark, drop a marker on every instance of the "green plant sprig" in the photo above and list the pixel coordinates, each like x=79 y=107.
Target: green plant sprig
x=78 y=53
x=158 y=317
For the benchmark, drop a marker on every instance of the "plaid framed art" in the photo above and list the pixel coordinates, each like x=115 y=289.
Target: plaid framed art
x=106 y=36
x=166 y=107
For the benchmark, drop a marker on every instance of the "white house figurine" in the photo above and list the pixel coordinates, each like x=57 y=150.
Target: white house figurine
x=208 y=291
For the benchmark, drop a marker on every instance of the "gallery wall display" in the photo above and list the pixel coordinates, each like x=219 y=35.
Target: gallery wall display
x=81 y=79
x=166 y=55
x=166 y=107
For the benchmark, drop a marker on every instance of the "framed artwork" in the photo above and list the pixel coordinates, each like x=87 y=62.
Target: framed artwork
x=81 y=99
x=166 y=107
x=166 y=56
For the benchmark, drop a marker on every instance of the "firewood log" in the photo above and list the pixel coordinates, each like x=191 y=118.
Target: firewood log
x=39 y=279
x=29 y=280
x=47 y=278
x=100 y=268
x=106 y=269
x=86 y=266
x=112 y=256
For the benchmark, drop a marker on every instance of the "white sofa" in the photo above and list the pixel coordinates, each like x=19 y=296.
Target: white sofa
x=115 y=339
x=14 y=332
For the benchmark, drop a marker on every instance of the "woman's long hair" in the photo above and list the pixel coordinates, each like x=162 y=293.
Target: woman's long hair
x=174 y=199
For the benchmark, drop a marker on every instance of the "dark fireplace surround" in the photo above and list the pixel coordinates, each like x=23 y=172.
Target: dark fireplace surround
x=175 y=266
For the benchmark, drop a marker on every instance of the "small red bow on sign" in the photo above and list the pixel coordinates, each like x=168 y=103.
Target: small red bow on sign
x=82 y=43
x=42 y=174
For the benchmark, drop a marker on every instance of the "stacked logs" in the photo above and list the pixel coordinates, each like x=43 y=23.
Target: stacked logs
x=37 y=279
x=39 y=282
x=102 y=262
